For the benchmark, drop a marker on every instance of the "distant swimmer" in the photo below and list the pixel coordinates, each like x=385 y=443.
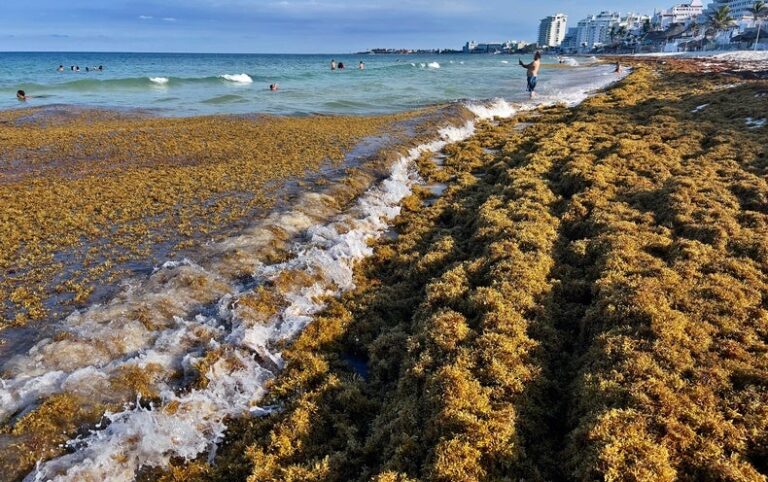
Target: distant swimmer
x=341 y=65
x=333 y=65
x=87 y=69
x=21 y=95
x=101 y=68
x=533 y=72
x=274 y=87
x=77 y=68
x=60 y=69
x=361 y=66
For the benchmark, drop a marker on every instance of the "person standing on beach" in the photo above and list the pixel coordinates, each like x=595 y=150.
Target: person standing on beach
x=533 y=72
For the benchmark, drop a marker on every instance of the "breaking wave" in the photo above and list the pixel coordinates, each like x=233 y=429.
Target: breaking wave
x=238 y=78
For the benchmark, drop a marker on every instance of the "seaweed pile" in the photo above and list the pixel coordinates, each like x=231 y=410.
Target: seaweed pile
x=585 y=300
x=92 y=197
x=173 y=354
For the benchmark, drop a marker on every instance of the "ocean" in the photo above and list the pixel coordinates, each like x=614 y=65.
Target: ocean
x=199 y=84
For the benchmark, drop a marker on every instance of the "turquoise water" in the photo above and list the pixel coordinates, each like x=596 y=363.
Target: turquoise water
x=191 y=84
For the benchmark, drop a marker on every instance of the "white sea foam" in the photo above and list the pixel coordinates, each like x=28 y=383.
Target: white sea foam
x=699 y=108
x=433 y=65
x=570 y=61
x=743 y=56
x=188 y=424
x=505 y=61
x=159 y=80
x=238 y=78
x=755 y=123
x=495 y=108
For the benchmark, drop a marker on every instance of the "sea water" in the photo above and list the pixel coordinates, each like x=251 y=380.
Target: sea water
x=193 y=84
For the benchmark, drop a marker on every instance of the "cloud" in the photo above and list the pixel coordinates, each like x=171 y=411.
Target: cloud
x=169 y=19
x=146 y=17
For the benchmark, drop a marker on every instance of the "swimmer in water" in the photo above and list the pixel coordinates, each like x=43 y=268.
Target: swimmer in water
x=21 y=95
x=361 y=66
x=274 y=87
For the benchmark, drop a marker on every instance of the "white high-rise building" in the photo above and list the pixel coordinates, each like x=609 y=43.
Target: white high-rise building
x=552 y=30
x=684 y=13
x=595 y=30
x=739 y=8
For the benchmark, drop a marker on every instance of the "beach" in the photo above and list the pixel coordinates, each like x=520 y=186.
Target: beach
x=572 y=288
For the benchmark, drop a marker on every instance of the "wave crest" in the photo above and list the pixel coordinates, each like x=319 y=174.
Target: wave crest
x=237 y=78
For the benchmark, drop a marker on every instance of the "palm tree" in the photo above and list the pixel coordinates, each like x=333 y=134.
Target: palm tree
x=758 y=11
x=719 y=21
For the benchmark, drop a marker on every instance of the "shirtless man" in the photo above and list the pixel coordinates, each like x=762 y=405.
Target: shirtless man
x=533 y=72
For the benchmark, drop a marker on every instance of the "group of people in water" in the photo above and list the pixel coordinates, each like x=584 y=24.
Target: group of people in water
x=532 y=71
x=340 y=65
x=76 y=68
x=334 y=66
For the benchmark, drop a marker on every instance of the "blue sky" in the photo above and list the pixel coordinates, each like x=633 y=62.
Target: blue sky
x=279 y=26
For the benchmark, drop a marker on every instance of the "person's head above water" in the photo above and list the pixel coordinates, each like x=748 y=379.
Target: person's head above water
x=21 y=95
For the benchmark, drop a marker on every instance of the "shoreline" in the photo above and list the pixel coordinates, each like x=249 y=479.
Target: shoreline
x=82 y=176
x=234 y=262
x=182 y=288
x=504 y=222
x=553 y=314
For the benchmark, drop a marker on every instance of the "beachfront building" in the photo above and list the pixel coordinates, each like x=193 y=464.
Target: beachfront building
x=473 y=47
x=595 y=30
x=552 y=30
x=571 y=40
x=739 y=10
x=684 y=13
x=634 y=23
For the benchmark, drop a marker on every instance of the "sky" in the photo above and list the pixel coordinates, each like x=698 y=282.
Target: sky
x=280 y=26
